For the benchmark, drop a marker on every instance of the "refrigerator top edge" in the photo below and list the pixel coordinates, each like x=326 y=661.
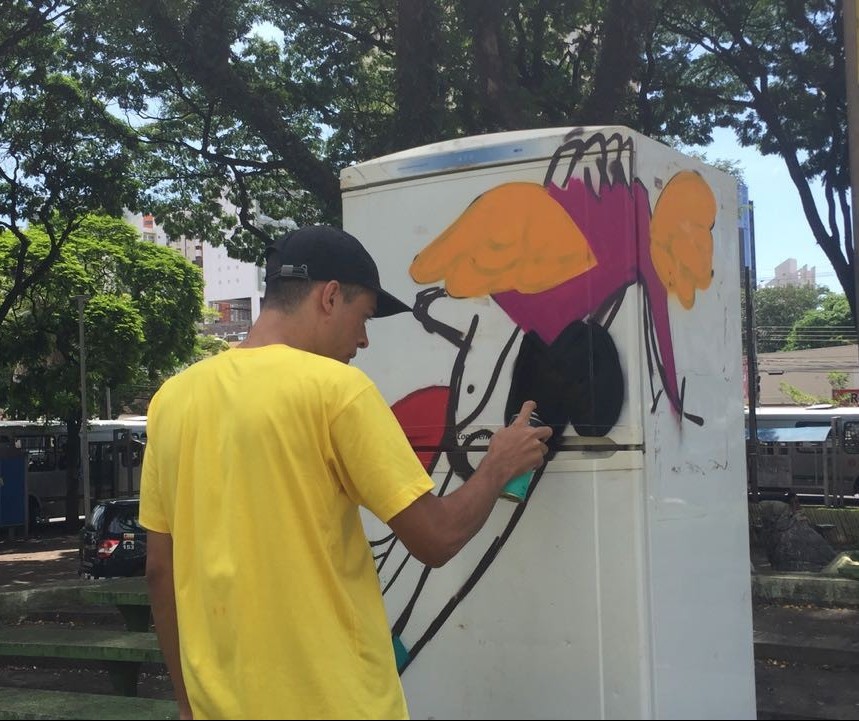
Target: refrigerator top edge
x=467 y=153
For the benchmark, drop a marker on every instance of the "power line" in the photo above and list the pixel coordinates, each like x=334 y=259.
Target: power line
x=815 y=367
x=827 y=335
x=834 y=327
x=834 y=339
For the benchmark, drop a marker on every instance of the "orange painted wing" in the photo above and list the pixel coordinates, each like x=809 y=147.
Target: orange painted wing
x=681 y=238
x=513 y=237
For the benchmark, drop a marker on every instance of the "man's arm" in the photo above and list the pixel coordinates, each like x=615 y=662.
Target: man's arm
x=159 y=578
x=434 y=529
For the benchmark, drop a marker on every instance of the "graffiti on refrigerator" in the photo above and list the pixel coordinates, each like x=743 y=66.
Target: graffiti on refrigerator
x=558 y=259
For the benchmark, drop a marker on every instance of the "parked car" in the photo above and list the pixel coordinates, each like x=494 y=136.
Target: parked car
x=113 y=543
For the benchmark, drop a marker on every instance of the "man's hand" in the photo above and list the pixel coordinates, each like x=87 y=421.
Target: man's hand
x=434 y=528
x=519 y=447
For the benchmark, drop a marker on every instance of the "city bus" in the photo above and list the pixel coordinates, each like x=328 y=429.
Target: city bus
x=811 y=450
x=115 y=454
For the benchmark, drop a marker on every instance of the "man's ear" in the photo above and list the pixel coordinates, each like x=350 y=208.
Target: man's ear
x=330 y=291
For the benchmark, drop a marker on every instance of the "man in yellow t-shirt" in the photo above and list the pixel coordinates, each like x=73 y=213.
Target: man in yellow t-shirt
x=263 y=587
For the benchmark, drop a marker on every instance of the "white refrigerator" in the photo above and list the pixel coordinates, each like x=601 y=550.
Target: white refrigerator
x=595 y=271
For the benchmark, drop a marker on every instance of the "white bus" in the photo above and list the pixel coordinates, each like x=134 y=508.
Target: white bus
x=798 y=451
x=115 y=454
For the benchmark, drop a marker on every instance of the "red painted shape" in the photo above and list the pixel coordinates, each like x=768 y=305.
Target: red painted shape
x=422 y=415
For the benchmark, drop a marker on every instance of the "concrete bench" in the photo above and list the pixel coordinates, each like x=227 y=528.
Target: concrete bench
x=129 y=595
x=122 y=651
x=28 y=703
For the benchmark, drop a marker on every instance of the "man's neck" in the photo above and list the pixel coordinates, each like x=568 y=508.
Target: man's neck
x=277 y=328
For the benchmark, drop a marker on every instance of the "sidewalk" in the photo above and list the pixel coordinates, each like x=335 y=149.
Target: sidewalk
x=806 y=662
x=808 y=634
x=38 y=561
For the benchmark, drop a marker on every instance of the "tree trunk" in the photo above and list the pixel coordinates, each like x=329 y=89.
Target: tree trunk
x=625 y=28
x=497 y=83
x=419 y=98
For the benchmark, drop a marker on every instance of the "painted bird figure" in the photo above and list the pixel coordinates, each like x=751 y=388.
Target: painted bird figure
x=562 y=254
x=557 y=258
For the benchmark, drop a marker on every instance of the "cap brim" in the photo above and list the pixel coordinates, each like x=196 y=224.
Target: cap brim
x=386 y=305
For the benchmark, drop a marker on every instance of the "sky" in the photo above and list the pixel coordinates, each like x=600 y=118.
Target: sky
x=781 y=229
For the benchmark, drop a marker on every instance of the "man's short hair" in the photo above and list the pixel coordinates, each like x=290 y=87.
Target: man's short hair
x=286 y=294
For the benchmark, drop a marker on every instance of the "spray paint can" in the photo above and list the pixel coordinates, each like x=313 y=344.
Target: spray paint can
x=517 y=488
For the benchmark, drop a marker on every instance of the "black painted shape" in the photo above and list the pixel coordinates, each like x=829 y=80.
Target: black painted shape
x=576 y=380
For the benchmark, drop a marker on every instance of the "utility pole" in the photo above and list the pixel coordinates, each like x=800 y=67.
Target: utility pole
x=851 y=75
x=752 y=375
x=84 y=434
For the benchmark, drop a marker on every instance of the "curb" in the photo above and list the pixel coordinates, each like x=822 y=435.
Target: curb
x=805 y=587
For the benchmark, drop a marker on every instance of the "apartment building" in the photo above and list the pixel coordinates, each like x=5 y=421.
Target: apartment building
x=232 y=287
x=787 y=274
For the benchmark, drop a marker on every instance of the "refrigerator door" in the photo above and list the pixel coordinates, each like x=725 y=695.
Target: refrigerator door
x=556 y=265
x=541 y=615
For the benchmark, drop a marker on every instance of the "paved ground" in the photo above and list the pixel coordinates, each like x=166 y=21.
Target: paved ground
x=807 y=662
x=39 y=560
x=806 y=666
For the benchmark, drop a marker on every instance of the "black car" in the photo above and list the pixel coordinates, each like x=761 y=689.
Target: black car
x=113 y=543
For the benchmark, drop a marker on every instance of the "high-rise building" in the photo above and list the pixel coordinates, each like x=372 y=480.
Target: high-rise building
x=232 y=287
x=746 y=228
x=787 y=274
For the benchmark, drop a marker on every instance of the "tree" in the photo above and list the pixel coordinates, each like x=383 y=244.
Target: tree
x=140 y=322
x=246 y=111
x=61 y=154
x=240 y=113
x=774 y=72
x=243 y=126
x=799 y=397
x=828 y=324
x=777 y=309
x=208 y=345
x=838 y=380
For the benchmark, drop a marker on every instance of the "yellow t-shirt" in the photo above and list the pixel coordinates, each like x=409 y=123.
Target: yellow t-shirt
x=256 y=462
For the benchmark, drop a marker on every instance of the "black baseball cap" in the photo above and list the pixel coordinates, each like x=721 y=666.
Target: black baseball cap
x=322 y=252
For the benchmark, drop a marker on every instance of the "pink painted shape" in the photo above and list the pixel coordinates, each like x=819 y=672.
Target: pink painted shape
x=622 y=251
x=657 y=294
x=604 y=220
